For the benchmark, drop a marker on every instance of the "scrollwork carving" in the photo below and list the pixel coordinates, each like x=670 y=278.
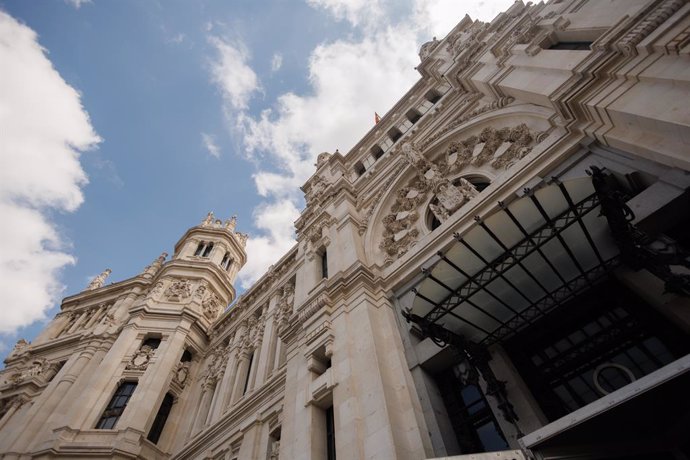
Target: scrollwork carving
x=449 y=195
x=179 y=290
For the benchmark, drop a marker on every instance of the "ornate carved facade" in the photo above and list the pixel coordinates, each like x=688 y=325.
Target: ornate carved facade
x=508 y=275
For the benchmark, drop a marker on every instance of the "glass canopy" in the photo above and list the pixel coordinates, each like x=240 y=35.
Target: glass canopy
x=514 y=266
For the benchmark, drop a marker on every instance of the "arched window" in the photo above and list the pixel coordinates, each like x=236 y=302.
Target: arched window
x=116 y=406
x=204 y=249
x=207 y=251
x=479 y=182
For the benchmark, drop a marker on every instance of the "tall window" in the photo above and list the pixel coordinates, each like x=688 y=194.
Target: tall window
x=330 y=434
x=116 y=406
x=204 y=249
x=161 y=418
x=227 y=261
x=475 y=426
x=249 y=371
x=324 y=264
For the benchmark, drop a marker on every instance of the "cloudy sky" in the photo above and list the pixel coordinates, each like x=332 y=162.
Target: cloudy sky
x=122 y=123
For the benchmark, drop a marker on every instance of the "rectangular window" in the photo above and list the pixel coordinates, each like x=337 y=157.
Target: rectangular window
x=330 y=434
x=207 y=251
x=249 y=371
x=116 y=406
x=324 y=264
x=571 y=46
x=161 y=418
x=473 y=422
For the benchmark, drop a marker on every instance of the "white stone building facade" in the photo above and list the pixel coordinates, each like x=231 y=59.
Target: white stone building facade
x=500 y=265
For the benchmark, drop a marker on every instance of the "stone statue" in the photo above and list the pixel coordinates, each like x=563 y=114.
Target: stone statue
x=208 y=220
x=98 y=281
x=412 y=155
x=242 y=237
x=275 y=450
x=19 y=347
x=231 y=223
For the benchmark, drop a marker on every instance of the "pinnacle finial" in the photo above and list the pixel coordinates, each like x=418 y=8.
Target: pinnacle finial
x=208 y=220
x=231 y=223
x=98 y=281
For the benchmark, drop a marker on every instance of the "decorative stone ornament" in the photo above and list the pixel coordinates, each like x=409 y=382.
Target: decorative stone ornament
x=179 y=290
x=211 y=306
x=98 y=281
x=141 y=359
x=492 y=149
x=181 y=374
x=151 y=270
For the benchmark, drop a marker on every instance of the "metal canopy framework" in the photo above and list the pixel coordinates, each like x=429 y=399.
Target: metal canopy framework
x=513 y=267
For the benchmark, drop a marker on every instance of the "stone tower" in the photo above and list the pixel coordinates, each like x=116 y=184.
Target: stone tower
x=76 y=383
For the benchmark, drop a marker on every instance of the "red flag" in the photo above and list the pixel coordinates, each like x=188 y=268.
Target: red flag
x=376 y=118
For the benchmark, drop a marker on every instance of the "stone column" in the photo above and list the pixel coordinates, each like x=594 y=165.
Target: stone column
x=95 y=316
x=46 y=413
x=211 y=416
x=240 y=379
x=280 y=353
x=268 y=342
x=231 y=368
x=226 y=383
x=77 y=323
x=204 y=405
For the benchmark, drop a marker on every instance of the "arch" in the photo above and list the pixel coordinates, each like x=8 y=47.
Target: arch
x=483 y=147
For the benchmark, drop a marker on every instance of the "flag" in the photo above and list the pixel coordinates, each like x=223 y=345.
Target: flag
x=376 y=118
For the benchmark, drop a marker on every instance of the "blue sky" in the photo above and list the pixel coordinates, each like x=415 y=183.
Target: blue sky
x=125 y=122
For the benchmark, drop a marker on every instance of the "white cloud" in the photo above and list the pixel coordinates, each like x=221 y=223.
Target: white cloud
x=350 y=79
x=231 y=73
x=276 y=62
x=178 y=38
x=209 y=142
x=354 y=11
x=276 y=220
x=44 y=129
x=77 y=3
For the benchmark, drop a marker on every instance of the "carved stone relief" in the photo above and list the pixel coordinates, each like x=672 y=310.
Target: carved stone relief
x=179 y=290
x=34 y=368
x=216 y=365
x=140 y=360
x=284 y=307
x=181 y=373
x=212 y=306
x=494 y=148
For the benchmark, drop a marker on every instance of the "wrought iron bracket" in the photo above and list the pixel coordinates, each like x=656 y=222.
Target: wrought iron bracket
x=639 y=250
x=476 y=355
